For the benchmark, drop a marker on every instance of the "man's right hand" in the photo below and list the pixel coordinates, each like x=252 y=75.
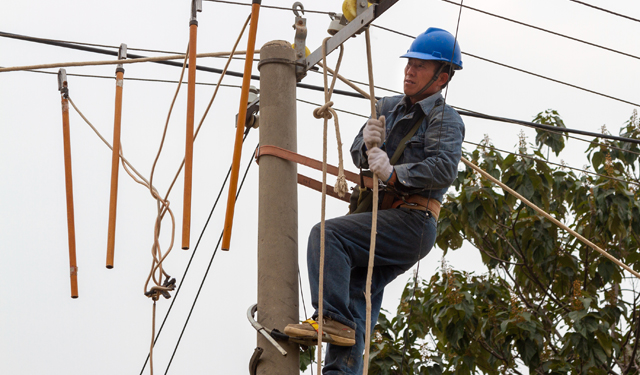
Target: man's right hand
x=374 y=133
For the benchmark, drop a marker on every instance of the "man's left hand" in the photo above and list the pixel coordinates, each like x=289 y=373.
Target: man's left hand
x=379 y=163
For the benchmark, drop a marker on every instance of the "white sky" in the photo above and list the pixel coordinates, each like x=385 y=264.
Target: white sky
x=107 y=330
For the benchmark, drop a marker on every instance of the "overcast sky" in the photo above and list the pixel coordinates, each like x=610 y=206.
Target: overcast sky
x=107 y=330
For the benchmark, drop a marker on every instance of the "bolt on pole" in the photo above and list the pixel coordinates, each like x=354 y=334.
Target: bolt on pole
x=278 y=207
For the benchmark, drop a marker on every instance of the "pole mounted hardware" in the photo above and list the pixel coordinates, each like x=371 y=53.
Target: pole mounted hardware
x=338 y=21
x=300 y=26
x=365 y=15
x=62 y=83
x=252 y=118
x=122 y=55
x=196 y=6
x=265 y=332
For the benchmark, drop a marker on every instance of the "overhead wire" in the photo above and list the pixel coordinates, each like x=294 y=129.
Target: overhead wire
x=461 y=111
x=606 y=10
x=165 y=208
x=546 y=30
x=269 y=6
x=193 y=253
x=131 y=78
x=524 y=71
x=301 y=85
x=195 y=300
x=552 y=163
x=544 y=127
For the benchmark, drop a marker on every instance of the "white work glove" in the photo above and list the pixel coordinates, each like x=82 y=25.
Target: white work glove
x=374 y=133
x=379 y=164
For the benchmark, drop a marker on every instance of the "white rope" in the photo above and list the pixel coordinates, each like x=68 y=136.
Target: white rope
x=116 y=62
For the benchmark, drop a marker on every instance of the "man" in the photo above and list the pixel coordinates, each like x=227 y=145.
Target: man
x=414 y=187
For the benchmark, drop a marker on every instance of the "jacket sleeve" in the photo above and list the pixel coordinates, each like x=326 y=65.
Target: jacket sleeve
x=442 y=145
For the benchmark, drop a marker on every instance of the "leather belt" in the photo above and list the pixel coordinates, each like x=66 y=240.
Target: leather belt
x=418 y=202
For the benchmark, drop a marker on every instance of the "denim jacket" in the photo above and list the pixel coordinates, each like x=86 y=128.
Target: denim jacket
x=429 y=163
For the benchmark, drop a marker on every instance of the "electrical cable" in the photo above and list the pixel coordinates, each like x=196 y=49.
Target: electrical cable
x=545 y=127
x=193 y=253
x=206 y=272
x=552 y=163
x=525 y=71
x=131 y=78
x=461 y=111
x=299 y=84
x=523 y=155
x=545 y=30
x=170 y=63
x=117 y=47
x=607 y=11
x=269 y=6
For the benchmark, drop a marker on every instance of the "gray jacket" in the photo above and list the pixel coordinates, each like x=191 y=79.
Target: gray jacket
x=429 y=163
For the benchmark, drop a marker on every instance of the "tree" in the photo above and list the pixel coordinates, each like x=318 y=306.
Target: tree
x=546 y=300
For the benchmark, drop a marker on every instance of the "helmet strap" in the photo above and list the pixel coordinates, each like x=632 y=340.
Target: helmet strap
x=433 y=79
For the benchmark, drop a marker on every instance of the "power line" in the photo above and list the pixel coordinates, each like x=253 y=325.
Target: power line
x=195 y=300
x=552 y=163
x=170 y=63
x=463 y=112
x=352 y=94
x=524 y=71
x=133 y=78
x=269 y=6
x=545 y=30
x=193 y=253
x=607 y=11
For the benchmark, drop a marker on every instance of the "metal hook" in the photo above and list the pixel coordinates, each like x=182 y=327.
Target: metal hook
x=297 y=6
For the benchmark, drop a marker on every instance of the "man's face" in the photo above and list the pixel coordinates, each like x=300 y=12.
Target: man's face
x=417 y=74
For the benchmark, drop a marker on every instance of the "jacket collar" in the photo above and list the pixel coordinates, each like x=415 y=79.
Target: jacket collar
x=425 y=104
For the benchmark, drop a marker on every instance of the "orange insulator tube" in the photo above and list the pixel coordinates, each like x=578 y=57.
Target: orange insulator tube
x=188 y=158
x=115 y=167
x=242 y=113
x=73 y=267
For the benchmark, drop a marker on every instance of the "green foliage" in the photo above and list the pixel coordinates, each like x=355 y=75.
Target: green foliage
x=555 y=141
x=547 y=301
x=307 y=357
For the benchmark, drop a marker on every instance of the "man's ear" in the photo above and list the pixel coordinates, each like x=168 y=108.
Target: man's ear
x=443 y=78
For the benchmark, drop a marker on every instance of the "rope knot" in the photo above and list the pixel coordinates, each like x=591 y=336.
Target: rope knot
x=323 y=111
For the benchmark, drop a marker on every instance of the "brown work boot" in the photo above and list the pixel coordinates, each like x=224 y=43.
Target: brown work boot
x=334 y=332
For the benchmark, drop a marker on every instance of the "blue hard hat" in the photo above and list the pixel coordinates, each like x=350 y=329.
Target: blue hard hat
x=438 y=45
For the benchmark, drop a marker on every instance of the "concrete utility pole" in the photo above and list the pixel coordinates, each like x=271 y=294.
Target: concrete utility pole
x=277 y=207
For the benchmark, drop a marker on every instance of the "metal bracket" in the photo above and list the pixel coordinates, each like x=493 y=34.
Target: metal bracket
x=361 y=6
x=356 y=25
x=252 y=118
x=196 y=6
x=122 y=55
x=300 y=40
x=62 y=83
x=352 y=28
x=266 y=333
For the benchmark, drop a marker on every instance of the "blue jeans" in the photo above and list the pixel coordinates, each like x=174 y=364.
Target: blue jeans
x=404 y=236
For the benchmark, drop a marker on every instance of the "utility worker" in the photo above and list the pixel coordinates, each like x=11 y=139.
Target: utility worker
x=428 y=134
